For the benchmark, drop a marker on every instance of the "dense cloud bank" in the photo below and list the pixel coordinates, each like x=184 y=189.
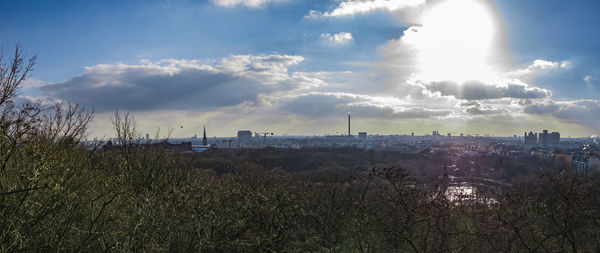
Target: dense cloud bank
x=175 y=84
x=475 y=90
x=331 y=104
x=581 y=112
x=264 y=84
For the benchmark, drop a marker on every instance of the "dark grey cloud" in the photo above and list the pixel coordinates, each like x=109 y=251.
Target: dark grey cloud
x=318 y=105
x=476 y=108
x=330 y=104
x=139 y=90
x=582 y=112
x=485 y=110
x=541 y=108
x=474 y=90
x=416 y=112
x=176 y=84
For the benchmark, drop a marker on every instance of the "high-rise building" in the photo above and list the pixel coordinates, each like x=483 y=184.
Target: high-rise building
x=544 y=138
x=531 y=138
x=554 y=138
x=549 y=139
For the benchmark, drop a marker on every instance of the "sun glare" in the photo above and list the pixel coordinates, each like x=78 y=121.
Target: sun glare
x=456 y=42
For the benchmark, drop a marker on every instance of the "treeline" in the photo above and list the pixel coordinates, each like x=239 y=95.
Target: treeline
x=56 y=195
x=339 y=164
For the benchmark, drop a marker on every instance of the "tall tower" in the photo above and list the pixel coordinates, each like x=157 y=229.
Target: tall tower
x=348 y=124
x=204 y=142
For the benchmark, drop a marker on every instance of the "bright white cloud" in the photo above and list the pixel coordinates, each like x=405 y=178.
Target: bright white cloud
x=313 y=14
x=352 y=7
x=588 y=79
x=268 y=69
x=536 y=67
x=543 y=64
x=338 y=38
x=32 y=83
x=249 y=3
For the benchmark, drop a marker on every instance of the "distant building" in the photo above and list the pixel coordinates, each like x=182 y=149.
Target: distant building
x=549 y=139
x=362 y=135
x=531 y=138
x=554 y=138
x=543 y=138
x=244 y=134
x=336 y=137
x=147 y=136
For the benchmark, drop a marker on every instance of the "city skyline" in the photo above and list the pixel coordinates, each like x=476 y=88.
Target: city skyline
x=249 y=134
x=297 y=67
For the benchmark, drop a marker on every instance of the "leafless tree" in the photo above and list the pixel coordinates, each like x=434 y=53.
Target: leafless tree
x=12 y=73
x=15 y=121
x=124 y=127
x=65 y=122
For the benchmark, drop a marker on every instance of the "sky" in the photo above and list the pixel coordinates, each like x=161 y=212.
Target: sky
x=297 y=67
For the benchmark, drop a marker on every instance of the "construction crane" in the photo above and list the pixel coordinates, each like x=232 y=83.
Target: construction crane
x=263 y=134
